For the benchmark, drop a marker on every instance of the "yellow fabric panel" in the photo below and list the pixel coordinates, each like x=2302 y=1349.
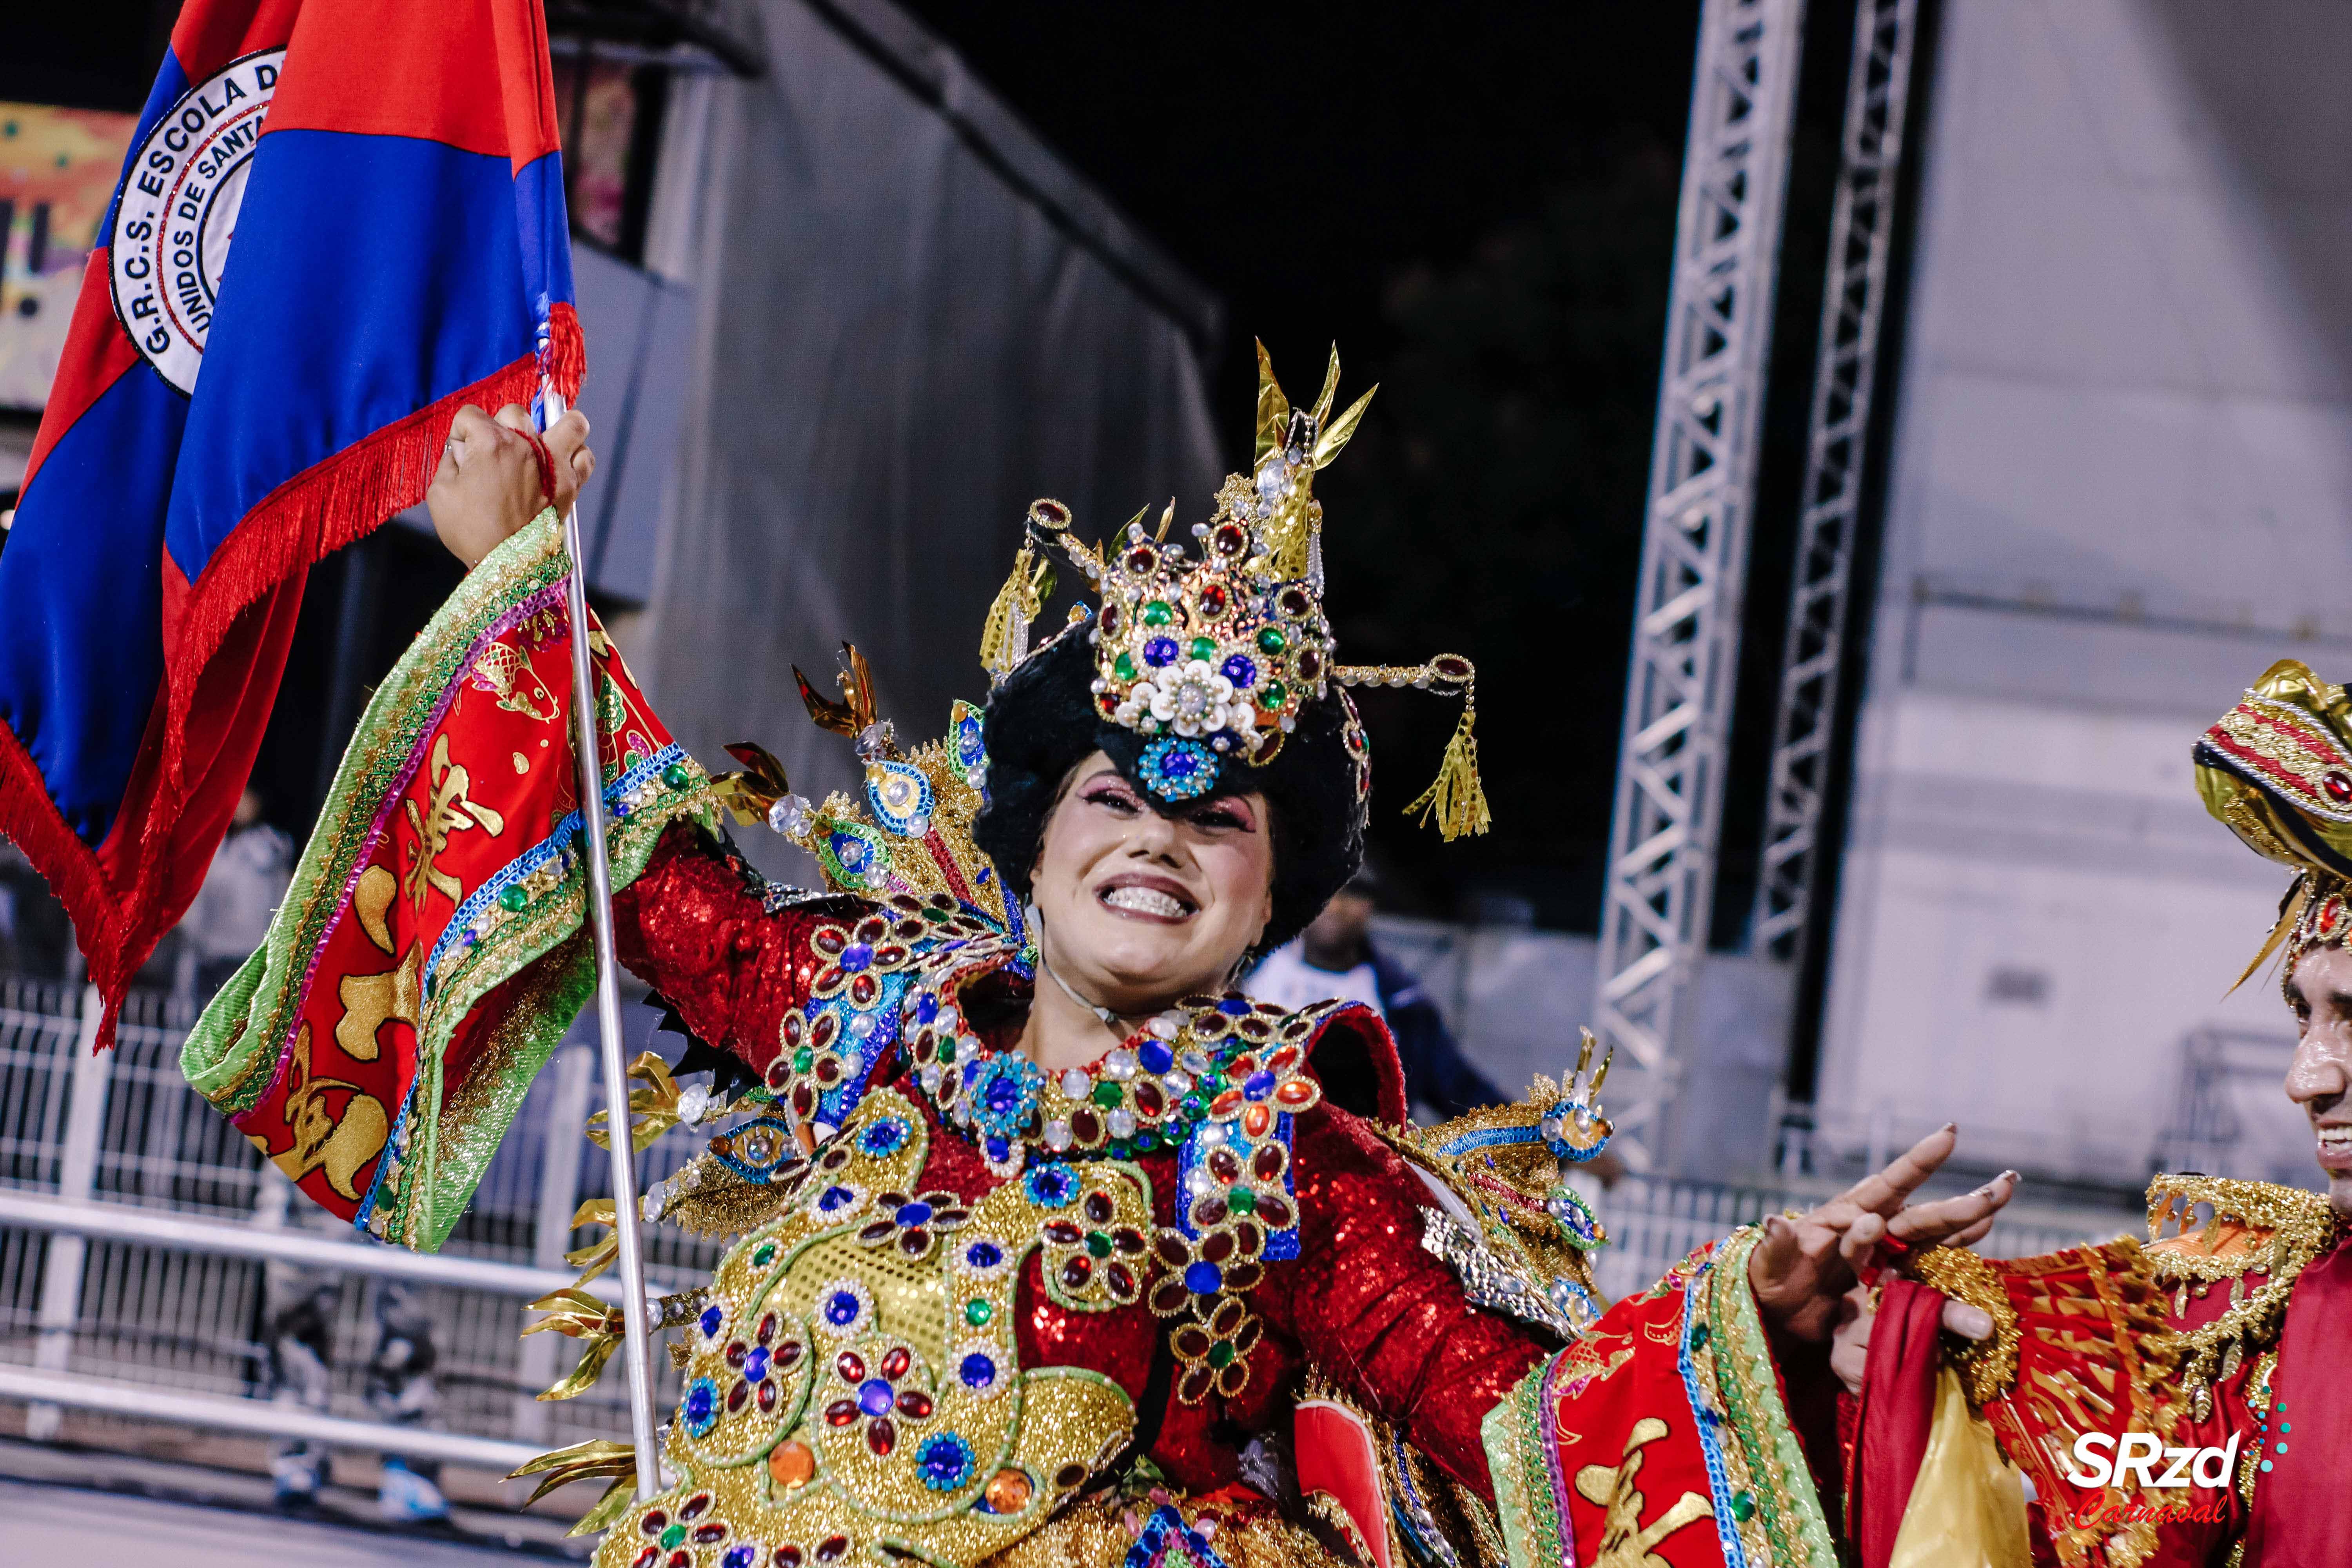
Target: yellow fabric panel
x=1968 y=1506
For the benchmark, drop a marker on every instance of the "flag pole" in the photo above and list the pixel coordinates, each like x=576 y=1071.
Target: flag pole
x=612 y=1049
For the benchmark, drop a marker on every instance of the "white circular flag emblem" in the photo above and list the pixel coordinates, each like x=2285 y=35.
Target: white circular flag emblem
x=179 y=210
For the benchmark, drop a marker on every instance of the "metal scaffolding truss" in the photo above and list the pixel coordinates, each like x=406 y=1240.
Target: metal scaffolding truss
x=1660 y=872
x=1861 y=233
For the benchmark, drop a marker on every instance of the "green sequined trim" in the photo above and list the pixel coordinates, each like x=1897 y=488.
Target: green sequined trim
x=1785 y=1525
x=1513 y=1436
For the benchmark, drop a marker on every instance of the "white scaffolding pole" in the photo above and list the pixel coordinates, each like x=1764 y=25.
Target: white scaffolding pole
x=1853 y=303
x=1661 y=871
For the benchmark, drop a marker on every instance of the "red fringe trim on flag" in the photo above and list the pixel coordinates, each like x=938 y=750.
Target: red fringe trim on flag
x=565 y=363
x=64 y=861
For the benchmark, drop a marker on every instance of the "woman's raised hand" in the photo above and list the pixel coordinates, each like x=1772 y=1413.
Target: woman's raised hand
x=1805 y=1266
x=490 y=482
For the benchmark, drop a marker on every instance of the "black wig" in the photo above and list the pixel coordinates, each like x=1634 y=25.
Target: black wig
x=1042 y=722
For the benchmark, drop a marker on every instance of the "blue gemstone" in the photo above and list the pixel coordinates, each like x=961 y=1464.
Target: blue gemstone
x=927 y=1007
x=755 y=1365
x=701 y=1399
x=1203 y=1279
x=1258 y=1085
x=1159 y=651
x=912 y=1214
x=984 y=876
x=1240 y=671
x=835 y=1197
x=856 y=956
x=712 y=1318
x=982 y=1255
x=874 y=1397
x=977 y=1371
x=740 y=1555
x=1155 y=1056
x=1002 y=1094
x=944 y=1461
x=1233 y=1007
x=1180 y=765
x=998 y=1150
x=842 y=1309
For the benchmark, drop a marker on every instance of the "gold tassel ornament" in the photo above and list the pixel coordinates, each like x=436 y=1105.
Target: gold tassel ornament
x=1456 y=798
x=1004 y=638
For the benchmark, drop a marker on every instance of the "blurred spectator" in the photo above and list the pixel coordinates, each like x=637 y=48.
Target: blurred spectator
x=243 y=888
x=401 y=1392
x=1334 y=956
x=300 y=1340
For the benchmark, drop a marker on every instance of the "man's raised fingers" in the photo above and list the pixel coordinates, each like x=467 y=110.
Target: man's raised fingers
x=1928 y=1223
x=1884 y=1193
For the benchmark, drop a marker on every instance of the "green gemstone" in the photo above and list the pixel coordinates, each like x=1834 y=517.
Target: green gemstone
x=1221 y=1355
x=1124 y=666
x=1743 y=1505
x=512 y=897
x=672 y=1536
x=1203 y=647
x=978 y=1312
x=1270 y=695
x=1240 y=1200
x=804 y=1059
x=1157 y=614
x=1699 y=1336
x=1097 y=1244
x=936 y=916
x=676 y=776
x=1109 y=1095
x=1272 y=639
x=764 y=1256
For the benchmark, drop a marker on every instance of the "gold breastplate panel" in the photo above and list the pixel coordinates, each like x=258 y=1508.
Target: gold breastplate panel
x=856 y=1383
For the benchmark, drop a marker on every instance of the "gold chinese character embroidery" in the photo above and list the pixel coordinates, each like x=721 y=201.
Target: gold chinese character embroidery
x=1626 y=1543
x=449 y=813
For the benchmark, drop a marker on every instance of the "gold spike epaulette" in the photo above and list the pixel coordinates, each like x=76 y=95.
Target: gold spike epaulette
x=1517 y=1233
x=2259 y=1237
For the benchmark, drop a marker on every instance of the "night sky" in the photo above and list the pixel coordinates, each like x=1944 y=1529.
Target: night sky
x=1477 y=205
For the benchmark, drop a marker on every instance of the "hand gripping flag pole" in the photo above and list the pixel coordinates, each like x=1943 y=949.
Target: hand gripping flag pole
x=612 y=1049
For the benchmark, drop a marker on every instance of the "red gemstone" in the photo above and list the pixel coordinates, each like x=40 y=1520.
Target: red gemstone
x=1076 y=1271
x=1121 y=1278
x=654 y=1522
x=788 y=1352
x=768 y=1395
x=895 y=1365
x=739 y=1395
x=1063 y=1232
x=2339 y=785
x=710 y=1535
x=788 y=1557
x=852 y=1367
x=646 y=1558
x=1149 y=1102
x=1267 y=1161
x=1086 y=1125
x=831 y=1547
x=881 y=1435
x=914 y=1404
x=768 y=1329
x=841 y=1412
x=696 y=1507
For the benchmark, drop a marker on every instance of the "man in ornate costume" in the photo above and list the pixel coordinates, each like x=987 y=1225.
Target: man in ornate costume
x=2243 y=1300
x=1052 y=1246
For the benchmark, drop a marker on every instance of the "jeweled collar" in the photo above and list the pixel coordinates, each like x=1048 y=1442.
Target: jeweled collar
x=1211 y=1058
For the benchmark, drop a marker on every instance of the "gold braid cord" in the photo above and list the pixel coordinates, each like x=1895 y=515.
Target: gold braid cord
x=1988 y=1367
x=2260 y=1239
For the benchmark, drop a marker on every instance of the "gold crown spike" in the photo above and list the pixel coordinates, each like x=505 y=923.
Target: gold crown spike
x=1455 y=797
x=1004 y=638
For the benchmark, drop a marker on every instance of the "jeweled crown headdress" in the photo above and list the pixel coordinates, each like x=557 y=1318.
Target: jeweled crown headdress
x=1211 y=658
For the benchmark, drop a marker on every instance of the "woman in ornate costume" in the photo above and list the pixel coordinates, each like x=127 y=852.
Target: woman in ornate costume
x=1052 y=1246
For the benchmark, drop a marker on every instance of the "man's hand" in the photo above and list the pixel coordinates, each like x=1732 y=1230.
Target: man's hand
x=1849 y=1343
x=488 y=485
x=1804 y=1266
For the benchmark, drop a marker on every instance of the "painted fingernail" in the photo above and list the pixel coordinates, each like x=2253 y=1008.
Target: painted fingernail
x=1949 y=1127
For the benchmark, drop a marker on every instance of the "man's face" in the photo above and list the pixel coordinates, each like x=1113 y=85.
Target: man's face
x=2320 y=1080
x=1343 y=922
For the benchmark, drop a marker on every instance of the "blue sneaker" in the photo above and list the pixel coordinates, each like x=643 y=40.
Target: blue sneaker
x=406 y=1498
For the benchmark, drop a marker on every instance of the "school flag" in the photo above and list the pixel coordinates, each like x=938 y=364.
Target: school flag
x=339 y=221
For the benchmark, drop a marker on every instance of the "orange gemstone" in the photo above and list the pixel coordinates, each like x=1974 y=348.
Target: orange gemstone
x=1008 y=1492
x=1293 y=1093
x=1257 y=1120
x=792 y=1466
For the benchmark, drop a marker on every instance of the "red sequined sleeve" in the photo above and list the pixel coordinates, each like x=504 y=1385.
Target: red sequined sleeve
x=695 y=927
x=1378 y=1314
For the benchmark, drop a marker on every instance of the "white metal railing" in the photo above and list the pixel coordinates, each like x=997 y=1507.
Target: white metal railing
x=138 y=1231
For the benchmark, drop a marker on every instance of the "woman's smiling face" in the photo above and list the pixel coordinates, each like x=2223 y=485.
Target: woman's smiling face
x=1142 y=909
